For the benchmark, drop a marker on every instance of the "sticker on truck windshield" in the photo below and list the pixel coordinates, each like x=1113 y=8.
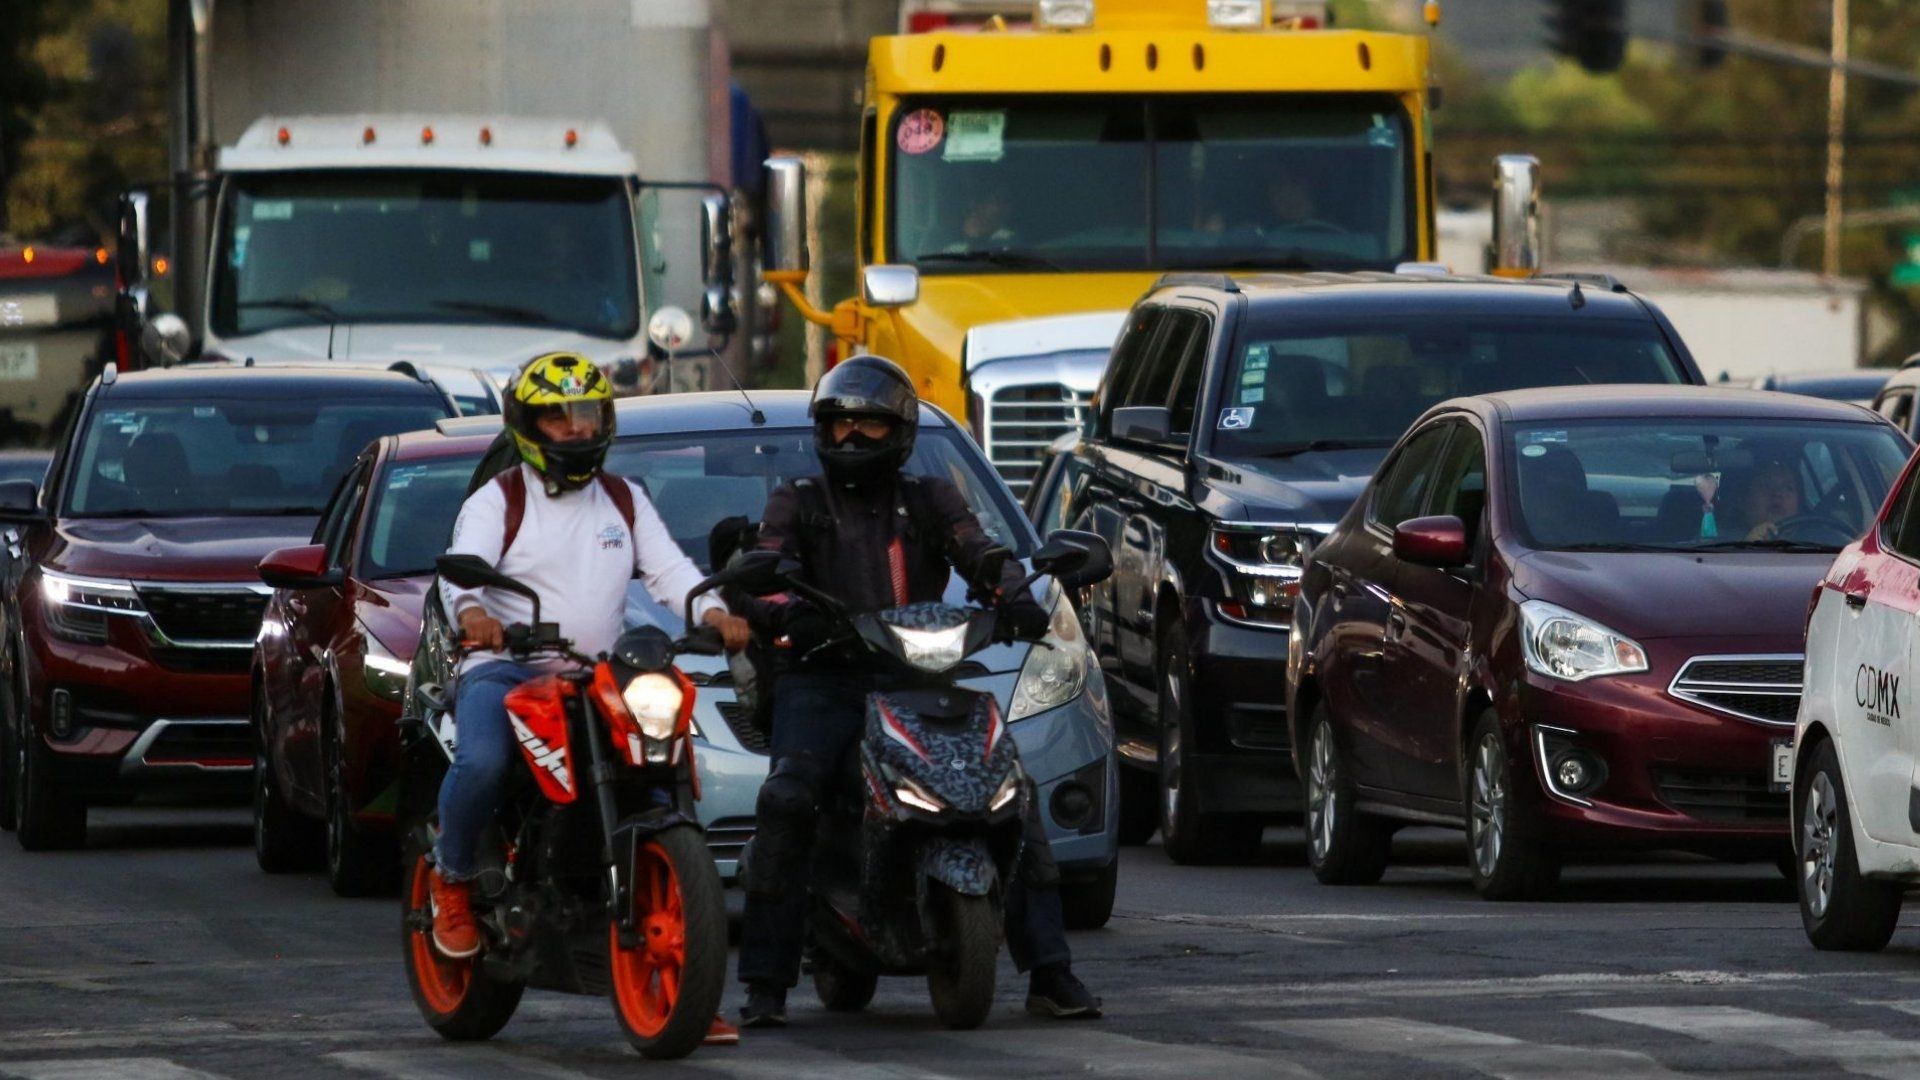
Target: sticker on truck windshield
x=273 y=210
x=920 y=131
x=976 y=135
x=1236 y=419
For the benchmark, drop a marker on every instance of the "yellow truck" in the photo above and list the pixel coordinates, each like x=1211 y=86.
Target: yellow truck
x=1061 y=164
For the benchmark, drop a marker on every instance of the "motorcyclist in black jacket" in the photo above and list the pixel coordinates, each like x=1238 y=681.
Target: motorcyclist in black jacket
x=873 y=538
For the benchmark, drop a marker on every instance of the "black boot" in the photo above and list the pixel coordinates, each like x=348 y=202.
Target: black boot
x=766 y=1006
x=1053 y=991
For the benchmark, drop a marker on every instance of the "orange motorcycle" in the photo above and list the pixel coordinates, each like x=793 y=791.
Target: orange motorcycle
x=595 y=876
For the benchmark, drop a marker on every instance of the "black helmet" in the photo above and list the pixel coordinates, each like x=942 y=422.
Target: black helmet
x=869 y=386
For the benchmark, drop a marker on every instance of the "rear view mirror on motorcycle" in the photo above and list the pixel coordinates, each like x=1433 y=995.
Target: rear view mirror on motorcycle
x=473 y=572
x=1075 y=558
x=986 y=572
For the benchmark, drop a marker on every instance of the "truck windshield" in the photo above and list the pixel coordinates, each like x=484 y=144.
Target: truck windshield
x=298 y=249
x=1100 y=182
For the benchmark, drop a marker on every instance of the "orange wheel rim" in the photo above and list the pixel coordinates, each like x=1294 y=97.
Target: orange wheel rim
x=443 y=983
x=646 y=978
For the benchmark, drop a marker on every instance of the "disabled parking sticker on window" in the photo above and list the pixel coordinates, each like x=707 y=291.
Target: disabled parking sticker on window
x=1236 y=419
x=920 y=131
x=976 y=135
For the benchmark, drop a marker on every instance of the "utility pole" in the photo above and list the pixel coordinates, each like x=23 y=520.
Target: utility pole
x=1836 y=137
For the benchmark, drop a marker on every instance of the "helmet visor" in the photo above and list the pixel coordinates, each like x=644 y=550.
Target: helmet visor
x=573 y=421
x=859 y=389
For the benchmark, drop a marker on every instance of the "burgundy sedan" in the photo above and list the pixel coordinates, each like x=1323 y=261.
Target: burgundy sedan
x=330 y=664
x=1573 y=618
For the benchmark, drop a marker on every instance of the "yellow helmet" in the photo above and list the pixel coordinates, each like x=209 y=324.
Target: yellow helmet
x=560 y=410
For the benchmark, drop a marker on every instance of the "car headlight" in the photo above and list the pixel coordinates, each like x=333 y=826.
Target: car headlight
x=385 y=674
x=919 y=798
x=77 y=607
x=654 y=700
x=1562 y=645
x=1264 y=565
x=1009 y=789
x=1051 y=677
x=931 y=650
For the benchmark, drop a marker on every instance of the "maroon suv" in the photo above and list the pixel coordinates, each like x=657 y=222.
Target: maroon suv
x=1572 y=618
x=330 y=665
x=132 y=596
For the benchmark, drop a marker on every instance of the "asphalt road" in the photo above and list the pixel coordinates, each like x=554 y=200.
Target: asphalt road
x=161 y=953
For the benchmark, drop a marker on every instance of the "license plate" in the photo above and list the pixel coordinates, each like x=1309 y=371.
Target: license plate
x=19 y=360
x=1782 y=774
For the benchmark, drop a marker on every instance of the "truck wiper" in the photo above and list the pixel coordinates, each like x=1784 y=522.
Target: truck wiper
x=511 y=312
x=315 y=308
x=1317 y=445
x=1020 y=259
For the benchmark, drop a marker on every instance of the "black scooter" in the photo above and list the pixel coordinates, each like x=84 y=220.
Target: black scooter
x=917 y=845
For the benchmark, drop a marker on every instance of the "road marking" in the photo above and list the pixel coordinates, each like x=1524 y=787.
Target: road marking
x=1481 y=1051
x=787 y=1060
x=1577 y=982
x=450 y=1063
x=134 y=1068
x=1087 y=1051
x=1867 y=1053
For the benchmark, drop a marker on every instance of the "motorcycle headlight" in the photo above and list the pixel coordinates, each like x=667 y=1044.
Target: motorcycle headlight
x=931 y=650
x=1055 y=670
x=919 y=798
x=1562 y=645
x=385 y=674
x=654 y=700
x=1009 y=790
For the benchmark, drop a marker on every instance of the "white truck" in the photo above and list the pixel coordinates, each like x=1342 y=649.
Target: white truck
x=440 y=182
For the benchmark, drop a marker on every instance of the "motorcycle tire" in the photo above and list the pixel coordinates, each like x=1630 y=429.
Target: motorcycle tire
x=841 y=988
x=666 y=989
x=456 y=999
x=961 y=982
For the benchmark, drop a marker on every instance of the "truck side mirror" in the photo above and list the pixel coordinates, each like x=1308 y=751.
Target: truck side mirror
x=132 y=246
x=716 y=265
x=889 y=286
x=1516 y=215
x=166 y=340
x=786 y=243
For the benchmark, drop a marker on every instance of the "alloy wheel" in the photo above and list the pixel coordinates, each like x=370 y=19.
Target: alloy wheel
x=1489 y=818
x=1818 y=827
x=1321 y=806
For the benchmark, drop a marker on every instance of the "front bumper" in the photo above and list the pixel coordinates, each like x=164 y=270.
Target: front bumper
x=1245 y=758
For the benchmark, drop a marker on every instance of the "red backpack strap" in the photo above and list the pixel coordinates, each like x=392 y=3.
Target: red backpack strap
x=621 y=493
x=513 y=485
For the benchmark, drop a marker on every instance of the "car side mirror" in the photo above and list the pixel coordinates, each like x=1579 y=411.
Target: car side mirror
x=1074 y=558
x=1143 y=423
x=303 y=567
x=889 y=286
x=1439 y=542
x=19 y=500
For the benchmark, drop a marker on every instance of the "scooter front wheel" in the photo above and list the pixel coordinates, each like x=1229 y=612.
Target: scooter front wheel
x=666 y=988
x=961 y=982
x=455 y=999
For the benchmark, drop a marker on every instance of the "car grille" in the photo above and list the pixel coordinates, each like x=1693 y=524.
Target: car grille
x=1022 y=421
x=213 y=744
x=727 y=835
x=1721 y=797
x=1764 y=689
x=204 y=661
x=740 y=722
x=190 y=616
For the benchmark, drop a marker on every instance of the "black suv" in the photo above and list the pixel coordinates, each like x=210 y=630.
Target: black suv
x=1238 y=419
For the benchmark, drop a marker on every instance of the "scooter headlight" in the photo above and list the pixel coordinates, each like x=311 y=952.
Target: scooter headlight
x=1009 y=790
x=654 y=700
x=931 y=650
x=912 y=794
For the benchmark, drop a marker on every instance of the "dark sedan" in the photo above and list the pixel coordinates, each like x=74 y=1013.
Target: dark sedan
x=330 y=664
x=1573 y=617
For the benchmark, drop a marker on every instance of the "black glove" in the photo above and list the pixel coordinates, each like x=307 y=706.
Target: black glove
x=1024 y=619
x=807 y=628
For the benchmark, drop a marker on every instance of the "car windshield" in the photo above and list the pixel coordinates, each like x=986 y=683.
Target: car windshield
x=1110 y=182
x=1299 y=385
x=322 y=248
x=412 y=516
x=696 y=480
x=1674 y=484
x=229 y=456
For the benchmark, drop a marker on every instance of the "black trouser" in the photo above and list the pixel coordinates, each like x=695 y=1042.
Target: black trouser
x=817 y=719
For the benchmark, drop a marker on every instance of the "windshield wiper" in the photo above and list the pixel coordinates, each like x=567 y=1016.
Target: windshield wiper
x=1603 y=545
x=511 y=312
x=1318 y=445
x=1020 y=259
x=315 y=308
x=1775 y=544
x=272 y=511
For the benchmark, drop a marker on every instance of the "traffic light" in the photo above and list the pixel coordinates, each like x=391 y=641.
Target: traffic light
x=1592 y=32
x=1709 y=22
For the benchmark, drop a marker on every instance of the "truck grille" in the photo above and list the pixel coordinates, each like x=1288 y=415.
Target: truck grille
x=1022 y=421
x=1721 y=797
x=205 y=616
x=1764 y=689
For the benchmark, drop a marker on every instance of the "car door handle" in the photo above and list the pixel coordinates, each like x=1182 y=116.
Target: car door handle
x=1856 y=599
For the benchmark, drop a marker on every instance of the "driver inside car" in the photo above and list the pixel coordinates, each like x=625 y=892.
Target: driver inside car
x=1769 y=495
x=874 y=538
x=556 y=522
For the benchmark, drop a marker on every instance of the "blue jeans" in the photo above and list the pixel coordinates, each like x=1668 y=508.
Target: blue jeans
x=483 y=751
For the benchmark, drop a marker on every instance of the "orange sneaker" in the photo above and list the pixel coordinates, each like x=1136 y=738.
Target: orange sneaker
x=722 y=1034
x=454 y=932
